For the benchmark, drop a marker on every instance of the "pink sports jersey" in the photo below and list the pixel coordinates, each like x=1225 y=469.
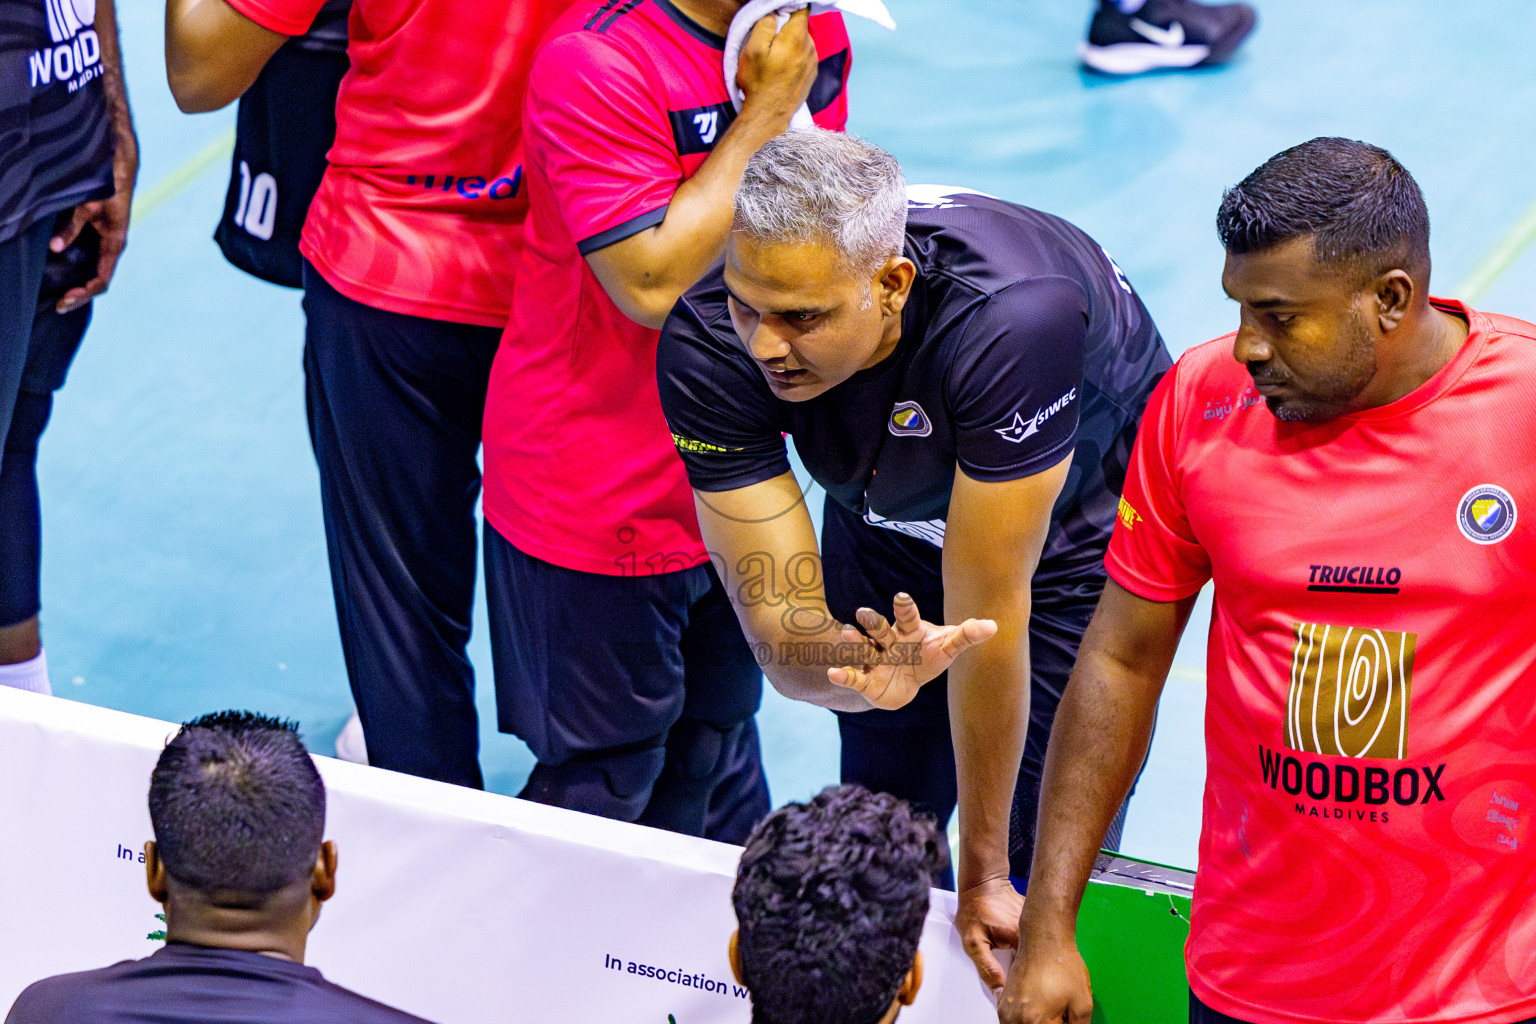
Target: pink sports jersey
x=1367 y=851
x=421 y=209
x=625 y=102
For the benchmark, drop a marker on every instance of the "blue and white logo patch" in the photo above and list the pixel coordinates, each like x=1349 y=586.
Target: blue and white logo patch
x=1486 y=514
x=909 y=420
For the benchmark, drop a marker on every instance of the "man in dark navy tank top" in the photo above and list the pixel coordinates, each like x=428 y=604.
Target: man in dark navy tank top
x=239 y=863
x=964 y=376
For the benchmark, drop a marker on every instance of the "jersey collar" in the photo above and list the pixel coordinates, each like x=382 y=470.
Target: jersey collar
x=1446 y=377
x=692 y=27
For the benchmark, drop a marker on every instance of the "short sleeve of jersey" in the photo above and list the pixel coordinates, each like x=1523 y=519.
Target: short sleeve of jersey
x=288 y=17
x=38 y=1003
x=597 y=126
x=1153 y=552
x=1014 y=385
x=722 y=421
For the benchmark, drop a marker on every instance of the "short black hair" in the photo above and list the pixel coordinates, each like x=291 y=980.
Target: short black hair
x=1362 y=208
x=830 y=901
x=237 y=805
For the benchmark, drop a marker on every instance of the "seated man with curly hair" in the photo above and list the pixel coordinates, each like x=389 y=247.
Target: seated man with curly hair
x=830 y=901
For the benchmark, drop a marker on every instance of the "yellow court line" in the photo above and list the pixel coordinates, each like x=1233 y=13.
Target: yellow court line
x=1499 y=258
x=167 y=188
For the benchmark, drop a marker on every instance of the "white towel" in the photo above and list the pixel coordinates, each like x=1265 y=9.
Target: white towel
x=755 y=10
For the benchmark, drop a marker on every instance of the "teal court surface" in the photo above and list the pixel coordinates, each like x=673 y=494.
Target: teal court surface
x=184 y=565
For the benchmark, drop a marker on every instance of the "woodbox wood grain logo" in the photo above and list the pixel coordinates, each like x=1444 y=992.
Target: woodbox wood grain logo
x=1350 y=691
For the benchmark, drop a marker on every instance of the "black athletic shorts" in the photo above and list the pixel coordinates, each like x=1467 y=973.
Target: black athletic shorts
x=587 y=662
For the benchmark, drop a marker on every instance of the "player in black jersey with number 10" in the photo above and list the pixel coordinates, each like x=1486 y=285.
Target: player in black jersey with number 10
x=964 y=376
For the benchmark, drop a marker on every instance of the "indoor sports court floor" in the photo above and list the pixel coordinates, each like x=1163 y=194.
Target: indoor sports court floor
x=185 y=566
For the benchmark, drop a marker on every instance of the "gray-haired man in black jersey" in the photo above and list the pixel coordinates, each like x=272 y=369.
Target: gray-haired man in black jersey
x=964 y=376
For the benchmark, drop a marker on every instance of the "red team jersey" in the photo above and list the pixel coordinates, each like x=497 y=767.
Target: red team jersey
x=421 y=209
x=625 y=101
x=1367 y=851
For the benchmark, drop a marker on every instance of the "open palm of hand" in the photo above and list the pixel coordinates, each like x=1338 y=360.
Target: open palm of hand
x=902 y=654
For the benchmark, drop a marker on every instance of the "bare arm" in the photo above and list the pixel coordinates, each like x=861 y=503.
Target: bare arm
x=126 y=151
x=992 y=545
x=765 y=549
x=108 y=216
x=213 y=53
x=646 y=273
x=1100 y=738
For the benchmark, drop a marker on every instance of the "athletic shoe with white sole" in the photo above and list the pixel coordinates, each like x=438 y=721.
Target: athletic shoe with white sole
x=1164 y=34
x=350 y=745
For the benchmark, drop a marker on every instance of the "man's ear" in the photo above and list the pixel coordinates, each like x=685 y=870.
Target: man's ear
x=912 y=982
x=1394 y=293
x=734 y=952
x=322 y=880
x=895 y=284
x=154 y=873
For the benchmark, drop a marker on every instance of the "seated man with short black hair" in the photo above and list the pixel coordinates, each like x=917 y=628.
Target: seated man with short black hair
x=237 y=860
x=830 y=901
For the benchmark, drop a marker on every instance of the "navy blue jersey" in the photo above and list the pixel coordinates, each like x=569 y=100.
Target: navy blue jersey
x=55 y=132
x=184 y=984
x=1021 y=341
x=285 y=126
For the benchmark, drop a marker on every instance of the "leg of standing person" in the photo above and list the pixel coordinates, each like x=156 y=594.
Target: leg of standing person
x=22 y=663
x=1054 y=636
x=594 y=672
x=742 y=798
x=908 y=752
x=712 y=783
x=588 y=673
x=56 y=338
x=395 y=406
x=21 y=275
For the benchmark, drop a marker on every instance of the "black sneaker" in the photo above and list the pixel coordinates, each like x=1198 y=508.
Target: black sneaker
x=1164 y=34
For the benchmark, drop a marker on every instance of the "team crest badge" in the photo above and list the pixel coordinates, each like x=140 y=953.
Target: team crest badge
x=1486 y=514
x=909 y=420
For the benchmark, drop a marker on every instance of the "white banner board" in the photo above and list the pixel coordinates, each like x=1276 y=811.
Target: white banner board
x=460 y=906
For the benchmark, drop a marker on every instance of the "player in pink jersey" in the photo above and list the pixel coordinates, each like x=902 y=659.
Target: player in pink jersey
x=1367 y=851
x=411 y=245
x=618 y=657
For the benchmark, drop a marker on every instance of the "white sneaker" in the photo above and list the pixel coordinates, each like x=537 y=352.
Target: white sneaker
x=349 y=744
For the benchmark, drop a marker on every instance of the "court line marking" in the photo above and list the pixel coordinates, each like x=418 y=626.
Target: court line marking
x=167 y=188
x=1492 y=266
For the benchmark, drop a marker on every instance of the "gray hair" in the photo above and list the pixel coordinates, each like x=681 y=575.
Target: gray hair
x=814 y=185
